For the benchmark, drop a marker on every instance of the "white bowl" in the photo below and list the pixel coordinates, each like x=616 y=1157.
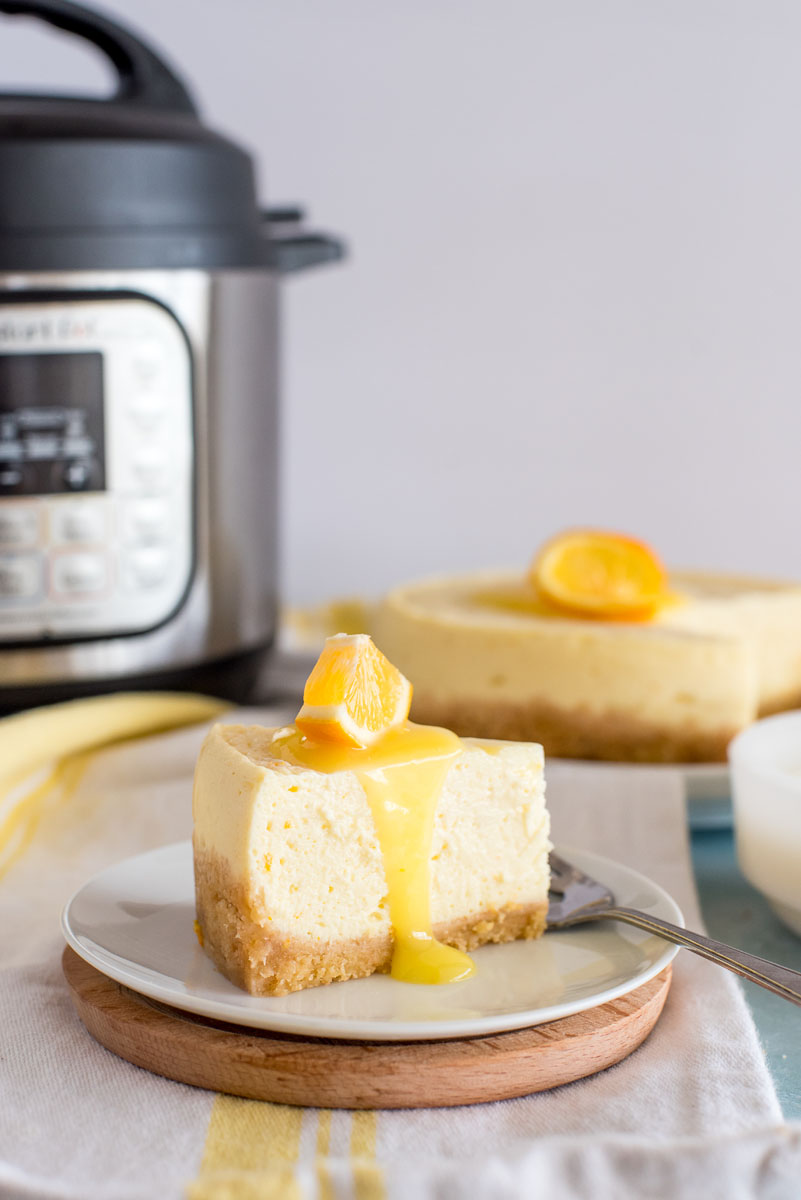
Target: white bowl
x=765 y=764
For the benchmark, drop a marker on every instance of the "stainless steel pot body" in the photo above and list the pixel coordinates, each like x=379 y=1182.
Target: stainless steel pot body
x=154 y=552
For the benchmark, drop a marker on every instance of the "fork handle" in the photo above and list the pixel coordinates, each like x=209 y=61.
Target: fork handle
x=770 y=975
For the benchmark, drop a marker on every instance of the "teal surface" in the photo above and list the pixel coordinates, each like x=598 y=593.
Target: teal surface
x=735 y=913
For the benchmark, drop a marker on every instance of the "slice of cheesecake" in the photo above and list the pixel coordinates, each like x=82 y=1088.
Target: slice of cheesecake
x=304 y=875
x=486 y=659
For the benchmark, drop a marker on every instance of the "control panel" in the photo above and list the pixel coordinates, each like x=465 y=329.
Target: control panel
x=96 y=467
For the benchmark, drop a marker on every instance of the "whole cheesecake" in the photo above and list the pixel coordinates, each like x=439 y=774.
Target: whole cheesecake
x=488 y=659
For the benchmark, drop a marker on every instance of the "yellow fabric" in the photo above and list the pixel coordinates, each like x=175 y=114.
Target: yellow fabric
x=20 y=825
x=368 y=1183
x=250 y=1152
x=324 y=1182
x=252 y=1149
x=62 y=737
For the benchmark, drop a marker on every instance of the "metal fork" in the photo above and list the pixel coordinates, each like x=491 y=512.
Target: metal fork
x=576 y=897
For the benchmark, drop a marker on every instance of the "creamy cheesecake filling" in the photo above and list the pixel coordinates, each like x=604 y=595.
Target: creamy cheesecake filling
x=402 y=775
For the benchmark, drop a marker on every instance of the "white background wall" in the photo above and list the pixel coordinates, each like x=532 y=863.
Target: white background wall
x=574 y=290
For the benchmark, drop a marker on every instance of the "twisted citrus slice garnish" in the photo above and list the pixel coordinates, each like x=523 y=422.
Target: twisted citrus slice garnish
x=353 y=694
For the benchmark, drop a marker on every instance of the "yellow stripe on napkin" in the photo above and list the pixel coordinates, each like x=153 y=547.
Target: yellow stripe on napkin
x=251 y=1148
x=326 y=1187
x=368 y=1182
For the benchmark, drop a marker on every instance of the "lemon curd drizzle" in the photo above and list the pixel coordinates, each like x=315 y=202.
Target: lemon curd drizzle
x=402 y=775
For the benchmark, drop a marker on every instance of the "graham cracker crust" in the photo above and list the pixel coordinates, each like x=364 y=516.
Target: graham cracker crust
x=578 y=733
x=267 y=963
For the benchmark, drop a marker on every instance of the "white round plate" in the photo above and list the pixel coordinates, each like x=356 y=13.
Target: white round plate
x=133 y=922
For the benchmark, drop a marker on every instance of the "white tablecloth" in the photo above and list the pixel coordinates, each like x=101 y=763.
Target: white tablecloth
x=693 y=1112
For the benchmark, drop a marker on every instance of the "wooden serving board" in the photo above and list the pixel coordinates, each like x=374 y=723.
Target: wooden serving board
x=318 y=1072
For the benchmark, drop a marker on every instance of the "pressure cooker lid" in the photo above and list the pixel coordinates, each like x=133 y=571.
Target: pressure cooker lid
x=133 y=181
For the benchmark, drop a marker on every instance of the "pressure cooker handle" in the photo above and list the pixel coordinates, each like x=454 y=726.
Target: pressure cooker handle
x=143 y=78
x=290 y=247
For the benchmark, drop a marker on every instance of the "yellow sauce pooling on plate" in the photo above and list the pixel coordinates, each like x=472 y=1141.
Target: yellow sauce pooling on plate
x=402 y=774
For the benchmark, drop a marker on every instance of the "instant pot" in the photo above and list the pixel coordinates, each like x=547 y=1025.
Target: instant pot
x=139 y=357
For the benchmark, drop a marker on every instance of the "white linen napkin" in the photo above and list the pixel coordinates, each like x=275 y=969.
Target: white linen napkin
x=692 y=1112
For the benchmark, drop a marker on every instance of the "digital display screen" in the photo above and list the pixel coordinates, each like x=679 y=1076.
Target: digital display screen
x=51 y=424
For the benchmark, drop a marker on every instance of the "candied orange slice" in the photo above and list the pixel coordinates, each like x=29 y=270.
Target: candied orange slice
x=353 y=694
x=597 y=574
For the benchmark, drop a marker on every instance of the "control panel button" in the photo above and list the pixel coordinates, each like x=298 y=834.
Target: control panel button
x=151 y=469
x=146 y=522
x=147 y=415
x=82 y=521
x=79 y=474
x=147 y=363
x=146 y=401
x=19 y=525
x=20 y=576
x=79 y=574
x=146 y=568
